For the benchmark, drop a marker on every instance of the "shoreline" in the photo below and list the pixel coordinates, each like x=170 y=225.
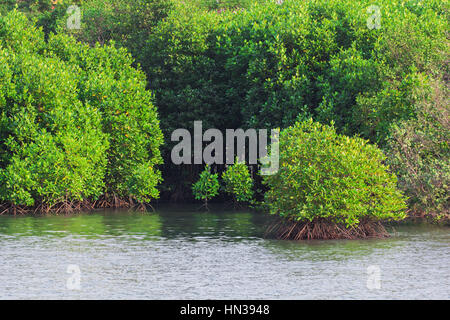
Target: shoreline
x=116 y=203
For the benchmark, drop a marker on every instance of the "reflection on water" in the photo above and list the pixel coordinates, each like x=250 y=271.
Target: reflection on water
x=179 y=253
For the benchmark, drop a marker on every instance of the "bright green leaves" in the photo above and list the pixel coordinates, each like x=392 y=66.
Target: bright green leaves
x=76 y=122
x=207 y=186
x=53 y=148
x=326 y=175
x=238 y=182
x=17 y=34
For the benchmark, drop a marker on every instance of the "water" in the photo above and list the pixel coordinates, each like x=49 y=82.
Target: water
x=184 y=254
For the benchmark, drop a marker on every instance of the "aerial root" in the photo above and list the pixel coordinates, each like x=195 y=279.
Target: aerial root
x=324 y=229
x=71 y=206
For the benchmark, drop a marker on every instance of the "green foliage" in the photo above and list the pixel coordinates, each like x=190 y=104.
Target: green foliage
x=112 y=85
x=52 y=146
x=6 y=6
x=242 y=63
x=265 y=65
x=45 y=13
x=187 y=82
x=238 y=182
x=220 y=5
x=326 y=175
x=419 y=152
x=207 y=186
x=268 y=63
x=27 y=6
x=76 y=122
x=128 y=23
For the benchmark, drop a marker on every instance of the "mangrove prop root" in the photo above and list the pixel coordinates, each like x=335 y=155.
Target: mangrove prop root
x=324 y=230
x=67 y=206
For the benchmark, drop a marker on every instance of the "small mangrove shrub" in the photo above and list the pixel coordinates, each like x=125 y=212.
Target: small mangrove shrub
x=330 y=185
x=238 y=182
x=207 y=186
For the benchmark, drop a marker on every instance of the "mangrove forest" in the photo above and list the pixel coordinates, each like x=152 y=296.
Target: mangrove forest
x=97 y=96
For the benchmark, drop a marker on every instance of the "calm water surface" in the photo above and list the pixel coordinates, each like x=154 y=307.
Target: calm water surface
x=184 y=254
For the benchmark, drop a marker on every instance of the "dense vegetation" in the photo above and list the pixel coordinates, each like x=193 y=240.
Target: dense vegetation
x=419 y=152
x=239 y=63
x=270 y=64
x=76 y=122
x=238 y=182
x=329 y=177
